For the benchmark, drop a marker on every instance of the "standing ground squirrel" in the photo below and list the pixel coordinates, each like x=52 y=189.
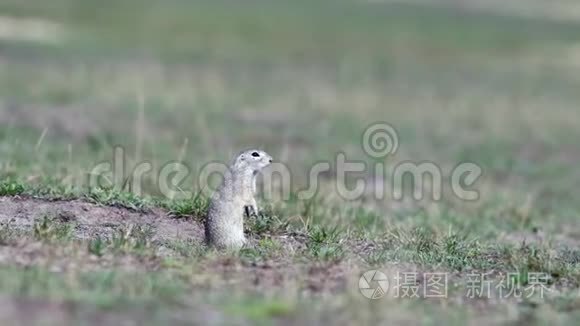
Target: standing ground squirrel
x=224 y=225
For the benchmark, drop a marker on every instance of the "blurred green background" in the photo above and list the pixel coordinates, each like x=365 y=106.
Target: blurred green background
x=482 y=81
x=200 y=80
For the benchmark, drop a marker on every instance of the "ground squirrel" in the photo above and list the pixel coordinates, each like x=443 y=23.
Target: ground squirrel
x=234 y=198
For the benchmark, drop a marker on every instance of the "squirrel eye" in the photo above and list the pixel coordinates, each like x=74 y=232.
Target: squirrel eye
x=255 y=154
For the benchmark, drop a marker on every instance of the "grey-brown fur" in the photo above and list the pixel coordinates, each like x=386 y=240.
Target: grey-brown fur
x=224 y=225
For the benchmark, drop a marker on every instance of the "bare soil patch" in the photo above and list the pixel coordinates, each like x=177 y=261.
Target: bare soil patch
x=287 y=269
x=92 y=220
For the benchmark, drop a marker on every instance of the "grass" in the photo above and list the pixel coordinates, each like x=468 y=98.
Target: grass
x=47 y=229
x=8 y=188
x=143 y=85
x=188 y=208
x=266 y=223
x=93 y=287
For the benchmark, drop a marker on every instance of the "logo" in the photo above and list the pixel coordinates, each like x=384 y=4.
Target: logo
x=373 y=284
x=380 y=140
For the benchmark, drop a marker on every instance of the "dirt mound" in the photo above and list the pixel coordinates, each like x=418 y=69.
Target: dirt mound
x=286 y=263
x=90 y=219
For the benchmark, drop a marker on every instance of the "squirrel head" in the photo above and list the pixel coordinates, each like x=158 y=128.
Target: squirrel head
x=254 y=160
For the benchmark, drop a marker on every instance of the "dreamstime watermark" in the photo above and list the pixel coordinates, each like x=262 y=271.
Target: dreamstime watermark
x=379 y=141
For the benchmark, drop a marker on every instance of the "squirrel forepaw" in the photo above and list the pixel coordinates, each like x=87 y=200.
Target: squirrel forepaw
x=250 y=211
